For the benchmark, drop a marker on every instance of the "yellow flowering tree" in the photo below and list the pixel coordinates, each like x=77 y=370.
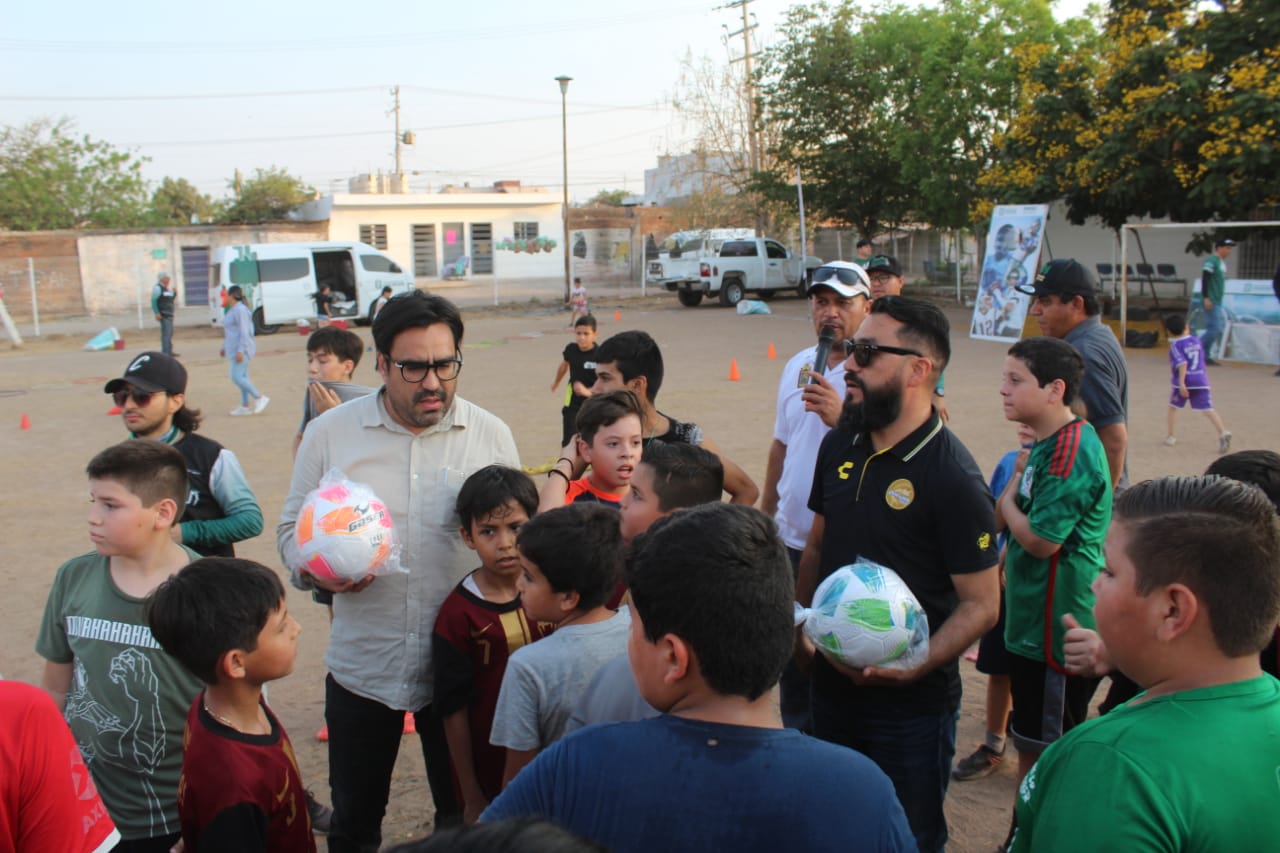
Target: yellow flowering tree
x=1174 y=113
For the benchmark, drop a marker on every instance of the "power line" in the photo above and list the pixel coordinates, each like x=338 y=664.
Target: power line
x=211 y=96
x=351 y=134
x=347 y=41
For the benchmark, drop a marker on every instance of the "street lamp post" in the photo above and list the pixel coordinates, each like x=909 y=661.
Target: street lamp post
x=564 y=151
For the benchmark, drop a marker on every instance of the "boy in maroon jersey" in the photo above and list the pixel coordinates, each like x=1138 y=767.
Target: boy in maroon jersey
x=225 y=620
x=480 y=624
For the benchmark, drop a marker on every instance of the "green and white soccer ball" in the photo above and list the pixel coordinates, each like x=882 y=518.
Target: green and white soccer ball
x=863 y=614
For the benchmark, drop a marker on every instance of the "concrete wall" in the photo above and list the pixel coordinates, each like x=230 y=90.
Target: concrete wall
x=107 y=272
x=118 y=268
x=56 y=268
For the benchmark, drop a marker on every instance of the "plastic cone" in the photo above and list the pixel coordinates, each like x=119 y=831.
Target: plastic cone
x=25 y=423
x=114 y=410
x=734 y=375
x=617 y=316
x=773 y=353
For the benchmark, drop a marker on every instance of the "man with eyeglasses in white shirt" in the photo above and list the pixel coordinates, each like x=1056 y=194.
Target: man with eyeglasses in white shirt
x=414 y=442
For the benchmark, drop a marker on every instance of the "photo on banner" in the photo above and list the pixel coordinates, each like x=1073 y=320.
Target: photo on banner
x=1012 y=258
x=1251 y=328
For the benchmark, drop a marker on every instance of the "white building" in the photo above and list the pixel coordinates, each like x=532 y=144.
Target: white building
x=679 y=176
x=504 y=230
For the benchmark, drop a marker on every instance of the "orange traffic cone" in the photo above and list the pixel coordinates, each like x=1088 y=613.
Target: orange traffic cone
x=773 y=353
x=25 y=423
x=114 y=410
x=734 y=375
x=617 y=316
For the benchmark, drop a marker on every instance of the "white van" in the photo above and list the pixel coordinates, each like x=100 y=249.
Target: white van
x=280 y=280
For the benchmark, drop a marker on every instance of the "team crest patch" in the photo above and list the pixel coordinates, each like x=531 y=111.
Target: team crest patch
x=984 y=541
x=1028 y=478
x=843 y=471
x=900 y=494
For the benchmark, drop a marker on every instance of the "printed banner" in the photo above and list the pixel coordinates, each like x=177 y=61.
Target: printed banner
x=1012 y=258
x=1251 y=325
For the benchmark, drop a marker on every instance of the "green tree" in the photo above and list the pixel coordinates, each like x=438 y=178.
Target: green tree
x=268 y=196
x=608 y=198
x=177 y=202
x=1174 y=113
x=891 y=113
x=51 y=178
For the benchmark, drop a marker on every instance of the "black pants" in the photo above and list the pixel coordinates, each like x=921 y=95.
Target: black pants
x=156 y=844
x=568 y=421
x=364 y=738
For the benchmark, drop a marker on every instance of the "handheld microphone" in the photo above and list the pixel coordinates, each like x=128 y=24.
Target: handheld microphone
x=825 y=341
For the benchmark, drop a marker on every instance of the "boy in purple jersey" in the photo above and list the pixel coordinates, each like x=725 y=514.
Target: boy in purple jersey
x=1190 y=381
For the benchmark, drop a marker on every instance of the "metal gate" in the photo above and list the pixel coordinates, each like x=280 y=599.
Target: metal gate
x=424 y=250
x=482 y=248
x=195 y=275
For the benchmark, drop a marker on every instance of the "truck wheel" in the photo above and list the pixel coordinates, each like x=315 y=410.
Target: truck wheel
x=730 y=292
x=262 y=328
x=689 y=298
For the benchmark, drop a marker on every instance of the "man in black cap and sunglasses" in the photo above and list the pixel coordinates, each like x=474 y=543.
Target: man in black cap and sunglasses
x=221 y=508
x=892 y=484
x=885 y=277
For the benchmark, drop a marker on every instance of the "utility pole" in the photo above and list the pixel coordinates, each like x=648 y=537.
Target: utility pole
x=748 y=92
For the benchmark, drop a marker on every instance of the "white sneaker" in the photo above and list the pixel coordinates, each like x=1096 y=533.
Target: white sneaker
x=240 y=411
x=261 y=404
x=1224 y=442
x=1170 y=441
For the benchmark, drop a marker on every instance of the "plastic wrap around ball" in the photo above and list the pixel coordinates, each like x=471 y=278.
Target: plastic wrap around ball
x=863 y=615
x=344 y=532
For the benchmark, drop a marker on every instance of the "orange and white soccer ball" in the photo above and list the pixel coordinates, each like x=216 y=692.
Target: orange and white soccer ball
x=344 y=532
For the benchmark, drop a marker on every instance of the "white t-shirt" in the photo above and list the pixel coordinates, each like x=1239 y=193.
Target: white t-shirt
x=801 y=432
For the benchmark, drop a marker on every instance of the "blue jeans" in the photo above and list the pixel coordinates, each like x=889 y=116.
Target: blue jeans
x=166 y=334
x=240 y=376
x=364 y=737
x=1212 y=329
x=914 y=751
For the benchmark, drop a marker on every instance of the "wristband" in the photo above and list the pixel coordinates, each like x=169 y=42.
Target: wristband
x=564 y=459
x=561 y=473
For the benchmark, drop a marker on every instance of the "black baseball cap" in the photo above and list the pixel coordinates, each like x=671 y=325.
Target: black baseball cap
x=151 y=372
x=884 y=263
x=1063 y=276
x=1225 y=241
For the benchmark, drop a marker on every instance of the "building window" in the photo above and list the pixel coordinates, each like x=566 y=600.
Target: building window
x=526 y=231
x=374 y=235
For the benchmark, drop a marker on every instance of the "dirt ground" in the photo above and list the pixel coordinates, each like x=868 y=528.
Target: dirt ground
x=510 y=360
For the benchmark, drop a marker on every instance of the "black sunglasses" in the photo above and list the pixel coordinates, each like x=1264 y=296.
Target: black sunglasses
x=142 y=398
x=864 y=353
x=414 y=372
x=822 y=275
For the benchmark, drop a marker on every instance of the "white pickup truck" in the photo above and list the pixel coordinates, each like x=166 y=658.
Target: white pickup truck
x=680 y=253
x=756 y=265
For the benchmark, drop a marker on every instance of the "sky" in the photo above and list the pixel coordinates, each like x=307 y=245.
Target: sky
x=201 y=90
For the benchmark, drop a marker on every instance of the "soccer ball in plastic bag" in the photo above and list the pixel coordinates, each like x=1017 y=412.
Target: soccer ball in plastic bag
x=344 y=532
x=863 y=615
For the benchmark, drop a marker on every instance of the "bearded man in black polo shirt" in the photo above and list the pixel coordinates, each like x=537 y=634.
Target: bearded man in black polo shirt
x=900 y=489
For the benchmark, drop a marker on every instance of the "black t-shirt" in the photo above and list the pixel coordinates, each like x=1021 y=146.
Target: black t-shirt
x=922 y=508
x=582 y=368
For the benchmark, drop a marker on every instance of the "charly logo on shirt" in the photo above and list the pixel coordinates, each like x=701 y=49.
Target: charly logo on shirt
x=900 y=494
